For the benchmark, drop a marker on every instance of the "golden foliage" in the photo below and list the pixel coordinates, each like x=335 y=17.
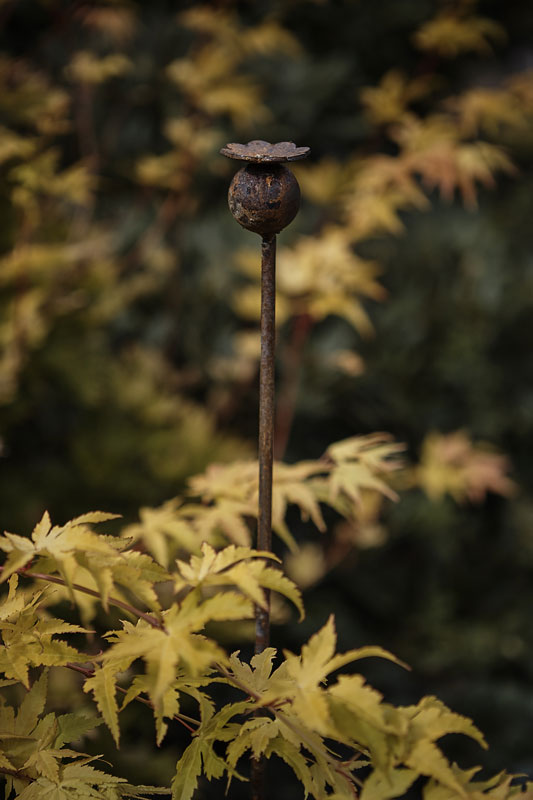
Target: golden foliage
x=27 y=97
x=382 y=187
x=453 y=464
x=228 y=496
x=28 y=638
x=433 y=151
x=305 y=713
x=455 y=31
x=86 y=68
x=323 y=182
x=389 y=101
x=38 y=763
x=211 y=76
x=226 y=30
x=319 y=276
x=40 y=176
x=487 y=110
x=213 y=85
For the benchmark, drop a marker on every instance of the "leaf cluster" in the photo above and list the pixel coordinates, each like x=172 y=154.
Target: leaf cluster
x=36 y=762
x=294 y=710
x=225 y=497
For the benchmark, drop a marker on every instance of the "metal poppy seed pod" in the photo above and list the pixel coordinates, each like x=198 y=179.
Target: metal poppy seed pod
x=264 y=196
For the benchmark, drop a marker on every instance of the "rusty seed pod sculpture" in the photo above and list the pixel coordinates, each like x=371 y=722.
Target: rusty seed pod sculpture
x=264 y=197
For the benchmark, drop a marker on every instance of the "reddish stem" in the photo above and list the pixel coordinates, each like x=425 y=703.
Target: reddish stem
x=88 y=673
x=113 y=601
x=291 y=371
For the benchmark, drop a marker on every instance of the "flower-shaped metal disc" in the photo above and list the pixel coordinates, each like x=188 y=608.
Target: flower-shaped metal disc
x=259 y=151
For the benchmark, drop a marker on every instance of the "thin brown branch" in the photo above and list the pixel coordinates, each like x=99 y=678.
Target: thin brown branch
x=41 y=576
x=15 y=773
x=291 y=361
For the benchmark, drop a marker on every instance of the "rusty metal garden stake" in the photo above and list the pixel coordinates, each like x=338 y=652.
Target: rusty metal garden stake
x=264 y=197
x=266 y=420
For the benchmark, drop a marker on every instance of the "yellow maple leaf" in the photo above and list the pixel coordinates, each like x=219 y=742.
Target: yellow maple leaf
x=323 y=182
x=382 y=187
x=388 y=101
x=487 y=109
x=453 y=464
x=449 y=34
x=319 y=276
x=432 y=149
x=86 y=67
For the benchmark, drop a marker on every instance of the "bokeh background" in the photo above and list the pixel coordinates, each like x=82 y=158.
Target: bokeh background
x=129 y=305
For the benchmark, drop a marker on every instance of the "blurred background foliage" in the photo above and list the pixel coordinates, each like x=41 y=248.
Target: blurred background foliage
x=129 y=302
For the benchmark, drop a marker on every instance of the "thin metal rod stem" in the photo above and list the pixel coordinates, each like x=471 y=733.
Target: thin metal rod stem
x=266 y=448
x=266 y=420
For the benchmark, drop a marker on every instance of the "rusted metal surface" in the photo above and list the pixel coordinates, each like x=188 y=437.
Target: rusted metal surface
x=266 y=422
x=261 y=151
x=264 y=198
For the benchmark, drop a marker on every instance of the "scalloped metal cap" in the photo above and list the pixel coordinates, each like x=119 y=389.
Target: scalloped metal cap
x=259 y=151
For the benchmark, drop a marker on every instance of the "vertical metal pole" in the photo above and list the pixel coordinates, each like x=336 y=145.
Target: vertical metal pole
x=266 y=449
x=266 y=421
